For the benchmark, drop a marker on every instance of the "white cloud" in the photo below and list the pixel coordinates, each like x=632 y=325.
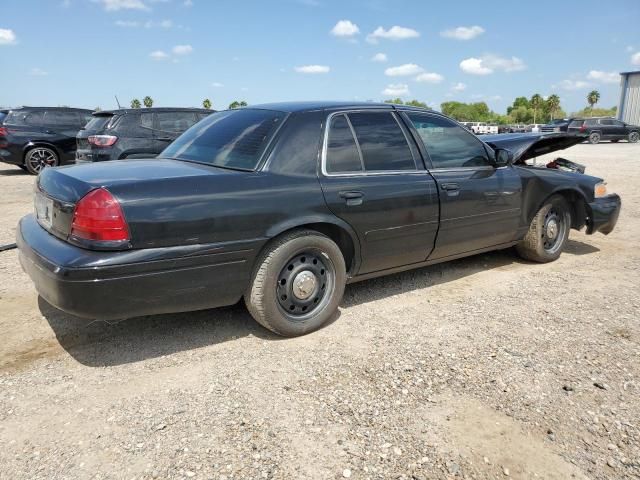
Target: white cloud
x=115 y=5
x=604 y=77
x=182 y=49
x=474 y=66
x=572 y=85
x=38 y=72
x=396 y=90
x=345 y=28
x=394 y=33
x=635 y=58
x=126 y=23
x=379 y=57
x=488 y=64
x=159 y=55
x=312 y=69
x=7 y=37
x=403 y=70
x=458 y=87
x=217 y=84
x=463 y=33
x=429 y=77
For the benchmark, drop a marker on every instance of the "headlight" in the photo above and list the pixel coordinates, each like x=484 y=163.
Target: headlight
x=600 y=190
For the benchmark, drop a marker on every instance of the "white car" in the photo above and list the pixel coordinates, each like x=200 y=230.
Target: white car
x=535 y=127
x=481 y=128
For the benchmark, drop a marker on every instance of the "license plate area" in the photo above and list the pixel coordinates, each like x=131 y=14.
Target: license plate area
x=44 y=210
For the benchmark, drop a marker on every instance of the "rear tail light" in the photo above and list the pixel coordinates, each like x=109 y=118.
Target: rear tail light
x=583 y=128
x=102 y=140
x=98 y=217
x=3 y=131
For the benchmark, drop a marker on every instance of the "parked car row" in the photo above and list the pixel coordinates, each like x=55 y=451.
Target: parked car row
x=35 y=137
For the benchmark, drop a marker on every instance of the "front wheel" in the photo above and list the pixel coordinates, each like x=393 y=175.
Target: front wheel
x=548 y=232
x=38 y=158
x=297 y=284
x=594 y=138
x=634 y=137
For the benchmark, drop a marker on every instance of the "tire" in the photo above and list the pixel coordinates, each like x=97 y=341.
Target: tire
x=548 y=232
x=40 y=157
x=634 y=137
x=297 y=284
x=594 y=138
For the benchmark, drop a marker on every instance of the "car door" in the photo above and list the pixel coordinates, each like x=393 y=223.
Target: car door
x=372 y=180
x=60 y=128
x=606 y=128
x=619 y=130
x=479 y=204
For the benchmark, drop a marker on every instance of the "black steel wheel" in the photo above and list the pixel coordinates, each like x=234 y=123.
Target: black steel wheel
x=548 y=232
x=297 y=283
x=38 y=158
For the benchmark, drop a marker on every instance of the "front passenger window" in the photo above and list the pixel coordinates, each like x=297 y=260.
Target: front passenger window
x=448 y=144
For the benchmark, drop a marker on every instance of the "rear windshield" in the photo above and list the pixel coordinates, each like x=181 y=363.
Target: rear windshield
x=98 y=122
x=232 y=139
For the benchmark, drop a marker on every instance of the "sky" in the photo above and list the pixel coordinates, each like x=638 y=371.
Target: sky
x=85 y=52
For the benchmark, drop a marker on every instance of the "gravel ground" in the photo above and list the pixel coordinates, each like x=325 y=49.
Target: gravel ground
x=486 y=367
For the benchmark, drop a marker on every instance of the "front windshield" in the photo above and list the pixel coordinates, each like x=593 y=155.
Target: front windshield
x=230 y=139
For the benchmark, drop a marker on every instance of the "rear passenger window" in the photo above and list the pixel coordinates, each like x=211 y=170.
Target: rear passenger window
x=448 y=144
x=575 y=123
x=24 y=117
x=146 y=120
x=342 y=152
x=175 y=121
x=591 y=121
x=382 y=142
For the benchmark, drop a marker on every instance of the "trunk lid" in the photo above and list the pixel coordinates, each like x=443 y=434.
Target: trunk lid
x=129 y=181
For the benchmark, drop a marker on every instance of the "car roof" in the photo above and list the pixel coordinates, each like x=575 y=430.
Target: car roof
x=25 y=107
x=152 y=109
x=308 y=106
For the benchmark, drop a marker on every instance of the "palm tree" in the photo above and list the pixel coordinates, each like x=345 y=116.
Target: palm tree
x=135 y=103
x=536 y=103
x=148 y=101
x=553 y=102
x=593 y=98
x=206 y=103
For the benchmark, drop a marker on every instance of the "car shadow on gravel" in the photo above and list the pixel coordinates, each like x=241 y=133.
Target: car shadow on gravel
x=99 y=343
x=17 y=172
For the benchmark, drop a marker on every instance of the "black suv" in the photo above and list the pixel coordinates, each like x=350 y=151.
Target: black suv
x=133 y=132
x=36 y=137
x=605 y=128
x=557 y=125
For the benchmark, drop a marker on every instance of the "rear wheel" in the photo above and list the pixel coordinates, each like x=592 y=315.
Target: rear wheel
x=38 y=158
x=634 y=137
x=548 y=232
x=298 y=283
x=594 y=138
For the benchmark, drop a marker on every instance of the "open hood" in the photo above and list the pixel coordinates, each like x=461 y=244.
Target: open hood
x=524 y=146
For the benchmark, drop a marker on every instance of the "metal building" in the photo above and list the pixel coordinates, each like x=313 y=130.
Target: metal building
x=629 y=106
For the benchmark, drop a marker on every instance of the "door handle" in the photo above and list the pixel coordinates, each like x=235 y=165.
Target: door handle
x=164 y=139
x=450 y=186
x=352 y=198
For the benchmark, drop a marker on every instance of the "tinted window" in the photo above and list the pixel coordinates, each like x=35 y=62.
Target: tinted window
x=618 y=123
x=175 y=121
x=382 y=142
x=2 y=116
x=591 y=121
x=60 y=117
x=342 y=152
x=202 y=115
x=146 y=120
x=576 y=123
x=606 y=121
x=449 y=145
x=97 y=123
x=233 y=138
x=25 y=117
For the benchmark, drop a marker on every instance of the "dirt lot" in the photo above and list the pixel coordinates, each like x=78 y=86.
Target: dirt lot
x=487 y=367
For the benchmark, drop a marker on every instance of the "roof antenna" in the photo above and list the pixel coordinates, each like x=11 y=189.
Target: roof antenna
x=119 y=107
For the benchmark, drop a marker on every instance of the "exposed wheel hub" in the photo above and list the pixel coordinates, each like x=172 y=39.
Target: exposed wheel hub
x=552 y=229
x=304 y=284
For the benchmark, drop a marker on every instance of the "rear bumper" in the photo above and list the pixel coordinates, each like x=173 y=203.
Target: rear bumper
x=603 y=214
x=115 y=285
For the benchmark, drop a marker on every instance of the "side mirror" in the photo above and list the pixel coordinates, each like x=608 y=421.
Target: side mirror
x=503 y=157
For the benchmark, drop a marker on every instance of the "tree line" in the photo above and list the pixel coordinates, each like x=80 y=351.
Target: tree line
x=206 y=103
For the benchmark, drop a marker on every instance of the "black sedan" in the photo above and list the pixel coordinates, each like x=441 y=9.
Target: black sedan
x=283 y=204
